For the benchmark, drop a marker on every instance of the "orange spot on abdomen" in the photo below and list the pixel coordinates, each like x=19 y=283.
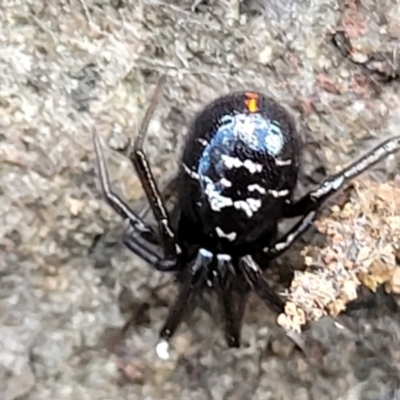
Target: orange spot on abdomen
x=251 y=101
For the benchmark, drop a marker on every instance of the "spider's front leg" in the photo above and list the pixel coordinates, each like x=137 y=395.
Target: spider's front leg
x=314 y=199
x=142 y=167
x=253 y=274
x=192 y=281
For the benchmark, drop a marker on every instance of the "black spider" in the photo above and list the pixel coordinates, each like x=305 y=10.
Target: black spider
x=236 y=181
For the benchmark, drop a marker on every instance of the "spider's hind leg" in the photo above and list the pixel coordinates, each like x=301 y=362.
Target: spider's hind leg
x=167 y=190
x=113 y=199
x=142 y=167
x=141 y=236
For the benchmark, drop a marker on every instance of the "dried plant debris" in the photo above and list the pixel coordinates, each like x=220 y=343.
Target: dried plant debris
x=385 y=64
x=361 y=248
x=365 y=41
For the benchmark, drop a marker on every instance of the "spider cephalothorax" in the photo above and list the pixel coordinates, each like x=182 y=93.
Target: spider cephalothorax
x=236 y=179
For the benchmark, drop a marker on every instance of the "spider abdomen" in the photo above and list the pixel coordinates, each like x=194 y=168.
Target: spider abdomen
x=239 y=166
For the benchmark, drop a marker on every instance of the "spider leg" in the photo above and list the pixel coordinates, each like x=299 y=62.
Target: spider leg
x=142 y=167
x=142 y=235
x=189 y=288
x=113 y=199
x=314 y=199
x=139 y=246
x=178 y=310
x=254 y=277
x=283 y=243
x=232 y=314
x=167 y=191
x=311 y=202
x=232 y=302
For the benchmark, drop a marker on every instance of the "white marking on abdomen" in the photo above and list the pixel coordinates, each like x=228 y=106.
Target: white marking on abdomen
x=191 y=173
x=252 y=166
x=230 y=236
x=282 y=162
x=234 y=162
x=216 y=200
x=203 y=142
x=225 y=182
x=278 y=193
x=249 y=206
x=255 y=187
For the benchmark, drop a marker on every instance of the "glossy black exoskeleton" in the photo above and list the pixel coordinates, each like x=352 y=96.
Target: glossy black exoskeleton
x=238 y=169
x=236 y=180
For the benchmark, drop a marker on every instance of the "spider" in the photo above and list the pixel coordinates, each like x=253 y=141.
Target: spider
x=236 y=181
